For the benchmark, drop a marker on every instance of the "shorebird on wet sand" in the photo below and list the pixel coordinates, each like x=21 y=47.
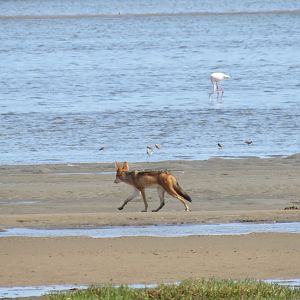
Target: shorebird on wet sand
x=220 y=146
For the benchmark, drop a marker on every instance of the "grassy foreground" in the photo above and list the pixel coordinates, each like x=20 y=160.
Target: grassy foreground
x=190 y=289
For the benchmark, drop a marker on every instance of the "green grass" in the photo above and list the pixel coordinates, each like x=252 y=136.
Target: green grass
x=190 y=289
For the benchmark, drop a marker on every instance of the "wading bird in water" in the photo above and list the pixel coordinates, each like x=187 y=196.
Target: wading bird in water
x=248 y=142
x=215 y=79
x=220 y=146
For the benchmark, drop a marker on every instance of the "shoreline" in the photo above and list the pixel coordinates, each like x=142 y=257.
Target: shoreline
x=295 y=155
x=96 y=220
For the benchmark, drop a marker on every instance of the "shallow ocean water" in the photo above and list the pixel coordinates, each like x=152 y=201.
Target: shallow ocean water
x=77 y=75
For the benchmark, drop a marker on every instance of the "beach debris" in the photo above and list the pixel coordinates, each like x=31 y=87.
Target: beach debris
x=248 y=142
x=220 y=146
x=292 y=207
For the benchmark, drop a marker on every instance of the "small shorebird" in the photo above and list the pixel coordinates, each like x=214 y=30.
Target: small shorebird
x=248 y=142
x=101 y=148
x=215 y=79
x=150 y=150
x=220 y=146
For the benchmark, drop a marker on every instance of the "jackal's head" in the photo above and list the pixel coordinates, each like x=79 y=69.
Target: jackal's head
x=121 y=170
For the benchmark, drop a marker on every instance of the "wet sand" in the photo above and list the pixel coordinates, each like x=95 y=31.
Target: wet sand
x=42 y=261
x=84 y=195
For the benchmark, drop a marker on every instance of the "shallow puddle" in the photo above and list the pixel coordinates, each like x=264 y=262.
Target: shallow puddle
x=157 y=230
x=35 y=291
x=294 y=283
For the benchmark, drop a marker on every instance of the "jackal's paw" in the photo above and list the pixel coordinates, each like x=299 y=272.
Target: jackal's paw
x=120 y=208
x=144 y=210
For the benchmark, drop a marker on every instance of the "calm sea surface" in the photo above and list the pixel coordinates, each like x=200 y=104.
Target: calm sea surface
x=79 y=75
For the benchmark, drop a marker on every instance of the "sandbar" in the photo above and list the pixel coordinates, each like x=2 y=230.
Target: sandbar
x=84 y=195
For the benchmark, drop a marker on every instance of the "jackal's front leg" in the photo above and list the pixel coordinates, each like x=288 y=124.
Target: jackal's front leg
x=129 y=198
x=161 y=194
x=145 y=200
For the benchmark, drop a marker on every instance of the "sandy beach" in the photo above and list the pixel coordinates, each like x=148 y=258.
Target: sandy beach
x=84 y=195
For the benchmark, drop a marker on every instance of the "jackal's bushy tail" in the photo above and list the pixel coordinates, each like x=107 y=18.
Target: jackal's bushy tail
x=182 y=193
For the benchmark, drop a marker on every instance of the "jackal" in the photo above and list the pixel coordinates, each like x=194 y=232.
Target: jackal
x=164 y=181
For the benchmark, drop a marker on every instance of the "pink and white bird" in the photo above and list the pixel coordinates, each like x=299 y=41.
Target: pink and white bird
x=215 y=79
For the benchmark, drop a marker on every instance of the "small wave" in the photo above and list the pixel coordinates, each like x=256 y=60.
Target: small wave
x=154 y=14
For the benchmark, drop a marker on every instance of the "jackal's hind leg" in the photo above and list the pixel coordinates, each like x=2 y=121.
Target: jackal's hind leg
x=174 y=194
x=184 y=203
x=129 y=198
x=181 y=199
x=161 y=194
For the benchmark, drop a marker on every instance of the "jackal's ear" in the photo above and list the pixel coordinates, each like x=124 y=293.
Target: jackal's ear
x=125 y=166
x=116 y=165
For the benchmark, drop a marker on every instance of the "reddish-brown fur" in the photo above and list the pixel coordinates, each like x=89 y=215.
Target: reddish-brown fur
x=140 y=180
